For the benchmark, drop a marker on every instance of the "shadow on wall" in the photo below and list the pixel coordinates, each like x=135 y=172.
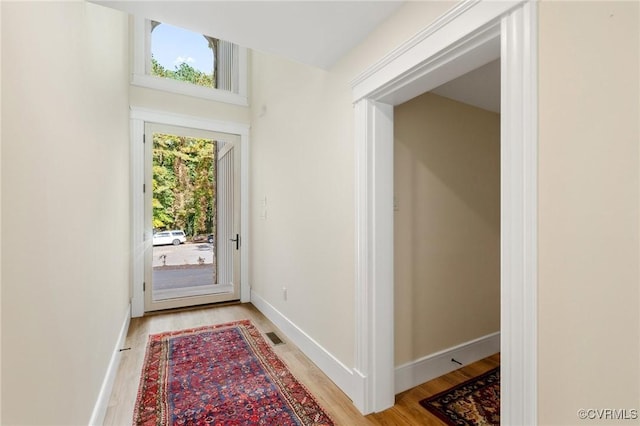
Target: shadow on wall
x=447 y=225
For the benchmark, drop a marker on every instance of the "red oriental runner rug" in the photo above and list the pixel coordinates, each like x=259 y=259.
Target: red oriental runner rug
x=220 y=375
x=474 y=402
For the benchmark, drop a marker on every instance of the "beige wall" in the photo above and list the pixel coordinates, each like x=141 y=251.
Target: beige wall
x=143 y=97
x=302 y=161
x=0 y=216
x=447 y=225
x=589 y=297
x=65 y=198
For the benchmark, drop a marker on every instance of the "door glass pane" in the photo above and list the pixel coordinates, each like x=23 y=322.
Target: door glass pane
x=184 y=216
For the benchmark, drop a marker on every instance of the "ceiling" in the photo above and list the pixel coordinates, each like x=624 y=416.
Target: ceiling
x=316 y=33
x=480 y=87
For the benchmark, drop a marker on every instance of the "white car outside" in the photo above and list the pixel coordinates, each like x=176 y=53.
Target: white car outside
x=175 y=237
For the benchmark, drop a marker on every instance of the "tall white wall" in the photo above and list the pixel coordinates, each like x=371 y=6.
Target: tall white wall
x=304 y=170
x=302 y=162
x=65 y=200
x=589 y=190
x=65 y=206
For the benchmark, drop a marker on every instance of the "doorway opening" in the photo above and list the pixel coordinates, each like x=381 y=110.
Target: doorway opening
x=214 y=221
x=192 y=209
x=447 y=227
x=459 y=41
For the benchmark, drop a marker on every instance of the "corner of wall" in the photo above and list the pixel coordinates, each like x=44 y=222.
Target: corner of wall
x=102 y=402
x=340 y=374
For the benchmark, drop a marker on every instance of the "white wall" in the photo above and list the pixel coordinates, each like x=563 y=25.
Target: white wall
x=0 y=214
x=304 y=169
x=589 y=299
x=446 y=225
x=65 y=199
x=302 y=161
x=143 y=97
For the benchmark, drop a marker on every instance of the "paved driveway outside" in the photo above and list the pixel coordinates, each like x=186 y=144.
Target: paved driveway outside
x=184 y=254
x=192 y=276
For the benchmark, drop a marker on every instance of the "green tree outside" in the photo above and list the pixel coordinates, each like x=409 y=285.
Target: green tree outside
x=184 y=184
x=183 y=72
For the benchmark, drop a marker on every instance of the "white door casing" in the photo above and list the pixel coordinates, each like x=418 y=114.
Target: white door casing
x=140 y=116
x=228 y=214
x=471 y=34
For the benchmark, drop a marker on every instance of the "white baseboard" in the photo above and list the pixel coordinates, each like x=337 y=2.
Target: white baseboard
x=100 y=409
x=340 y=374
x=435 y=365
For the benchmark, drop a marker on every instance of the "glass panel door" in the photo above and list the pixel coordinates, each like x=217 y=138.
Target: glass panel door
x=191 y=217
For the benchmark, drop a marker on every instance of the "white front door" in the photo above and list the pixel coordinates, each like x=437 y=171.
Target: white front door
x=192 y=217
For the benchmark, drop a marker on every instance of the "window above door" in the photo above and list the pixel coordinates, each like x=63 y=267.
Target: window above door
x=181 y=61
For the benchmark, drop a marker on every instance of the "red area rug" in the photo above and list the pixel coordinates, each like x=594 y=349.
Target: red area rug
x=220 y=375
x=474 y=402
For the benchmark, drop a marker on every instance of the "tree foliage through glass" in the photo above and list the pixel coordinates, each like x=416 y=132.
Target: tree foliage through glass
x=184 y=178
x=183 y=72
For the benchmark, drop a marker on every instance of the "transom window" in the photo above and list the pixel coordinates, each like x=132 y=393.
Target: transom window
x=182 y=61
x=183 y=55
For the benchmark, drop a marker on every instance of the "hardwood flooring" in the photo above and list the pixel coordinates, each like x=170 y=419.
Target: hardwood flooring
x=407 y=411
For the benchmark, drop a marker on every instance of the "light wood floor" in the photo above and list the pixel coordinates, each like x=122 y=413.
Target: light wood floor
x=407 y=410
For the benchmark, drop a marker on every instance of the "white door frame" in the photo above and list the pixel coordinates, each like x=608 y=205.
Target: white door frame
x=464 y=38
x=138 y=118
